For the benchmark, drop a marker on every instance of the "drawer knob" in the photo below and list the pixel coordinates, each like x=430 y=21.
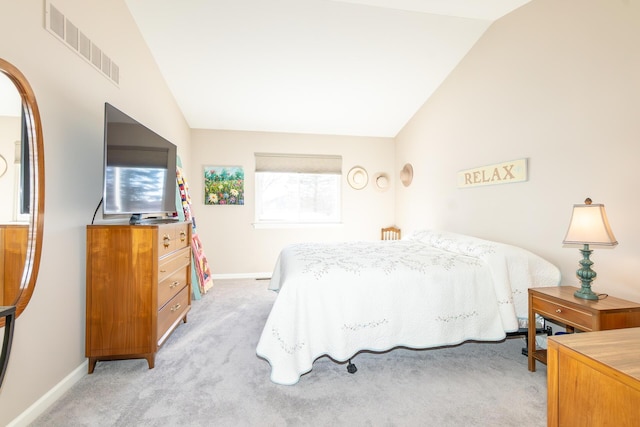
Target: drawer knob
x=559 y=310
x=166 y=241
x=175 y=307
x=183 y=236
x=174 y=284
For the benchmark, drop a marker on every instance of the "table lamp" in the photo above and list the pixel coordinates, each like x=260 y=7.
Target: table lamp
x=588 y=226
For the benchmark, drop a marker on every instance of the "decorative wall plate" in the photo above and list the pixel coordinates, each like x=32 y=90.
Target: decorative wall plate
x=357 y=178
x=381 y=181
x=406 y=174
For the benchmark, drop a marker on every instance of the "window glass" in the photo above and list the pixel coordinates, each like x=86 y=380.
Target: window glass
x=297 y=198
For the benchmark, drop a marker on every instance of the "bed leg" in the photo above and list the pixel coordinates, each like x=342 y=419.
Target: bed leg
x=351 y=368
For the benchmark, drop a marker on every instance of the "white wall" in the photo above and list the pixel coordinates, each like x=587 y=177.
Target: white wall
x=233 y=246
x=555 y=82
x=49 y=336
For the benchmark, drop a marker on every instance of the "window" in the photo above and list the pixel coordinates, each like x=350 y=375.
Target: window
x=297 y=189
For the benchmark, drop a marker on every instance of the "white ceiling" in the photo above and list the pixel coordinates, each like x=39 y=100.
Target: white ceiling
x=344 y=67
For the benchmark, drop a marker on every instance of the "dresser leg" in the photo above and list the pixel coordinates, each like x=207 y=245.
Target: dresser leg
x=92 y=364
x=151 y=360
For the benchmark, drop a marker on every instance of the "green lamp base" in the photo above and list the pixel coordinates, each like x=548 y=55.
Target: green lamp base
x=585 y=293
x=586 y=275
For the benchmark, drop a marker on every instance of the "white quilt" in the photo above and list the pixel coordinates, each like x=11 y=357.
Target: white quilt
x=430 y=289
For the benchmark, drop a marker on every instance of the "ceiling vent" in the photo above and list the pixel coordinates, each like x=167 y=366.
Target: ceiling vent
x=69 y=34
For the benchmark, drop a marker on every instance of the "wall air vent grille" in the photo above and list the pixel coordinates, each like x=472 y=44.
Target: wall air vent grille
x=68 y=33
x=71 y=35
x=96 y=56
x=56 y=22
x=115 y=73
x=85 y=47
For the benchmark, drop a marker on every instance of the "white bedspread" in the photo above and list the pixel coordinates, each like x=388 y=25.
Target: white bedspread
x=430 y=289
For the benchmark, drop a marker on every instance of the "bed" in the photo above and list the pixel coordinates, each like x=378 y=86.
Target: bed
x=430 y=289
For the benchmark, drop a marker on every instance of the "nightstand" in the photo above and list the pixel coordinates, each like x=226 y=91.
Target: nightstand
x=559 y=304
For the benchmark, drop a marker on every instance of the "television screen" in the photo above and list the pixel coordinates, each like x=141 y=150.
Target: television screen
x=139 y=168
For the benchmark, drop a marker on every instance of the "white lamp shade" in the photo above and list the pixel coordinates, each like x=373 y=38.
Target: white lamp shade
x=589 y=225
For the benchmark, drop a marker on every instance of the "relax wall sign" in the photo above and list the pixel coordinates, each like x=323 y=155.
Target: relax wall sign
x=501 y=173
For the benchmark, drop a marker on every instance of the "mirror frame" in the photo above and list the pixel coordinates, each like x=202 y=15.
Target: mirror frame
x=36 y=161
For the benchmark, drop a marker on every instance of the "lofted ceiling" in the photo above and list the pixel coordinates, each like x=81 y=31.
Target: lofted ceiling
x=342 y=67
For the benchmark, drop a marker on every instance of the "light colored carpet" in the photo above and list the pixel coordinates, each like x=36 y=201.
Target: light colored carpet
x=207 y=374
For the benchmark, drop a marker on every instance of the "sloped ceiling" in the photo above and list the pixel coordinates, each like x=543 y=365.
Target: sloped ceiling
x=358 y=67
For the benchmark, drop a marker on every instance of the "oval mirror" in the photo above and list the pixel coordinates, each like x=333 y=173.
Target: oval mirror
x=21 y=189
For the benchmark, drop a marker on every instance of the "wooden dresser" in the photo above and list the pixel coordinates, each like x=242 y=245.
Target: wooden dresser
x=138 y=288
x=14 y=238
x=594 y=379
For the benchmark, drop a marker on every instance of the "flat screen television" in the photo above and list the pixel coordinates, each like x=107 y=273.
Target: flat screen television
x=139 y=169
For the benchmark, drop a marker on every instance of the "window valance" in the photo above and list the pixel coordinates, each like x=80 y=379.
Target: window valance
x=298 y=163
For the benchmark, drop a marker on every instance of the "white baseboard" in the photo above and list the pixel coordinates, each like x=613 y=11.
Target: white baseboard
x=241 y=276
x=42 y=404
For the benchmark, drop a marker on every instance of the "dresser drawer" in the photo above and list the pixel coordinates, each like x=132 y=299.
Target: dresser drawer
x=579 y=318
x=172 y=263
x=172 y=237
x=172 y=285
x=182 y=235
x=172 y=312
